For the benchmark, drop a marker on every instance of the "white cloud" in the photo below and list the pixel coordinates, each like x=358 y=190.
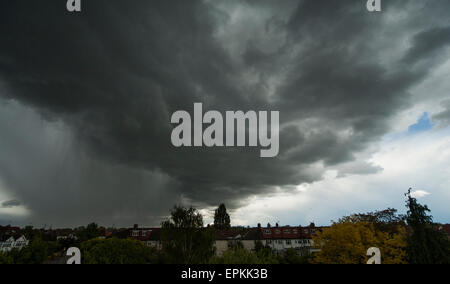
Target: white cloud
x=417 y=161
x=13 y=212
x=419 y=193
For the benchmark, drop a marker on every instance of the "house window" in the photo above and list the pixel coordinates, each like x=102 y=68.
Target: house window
x=287 y=232
x=277 y=232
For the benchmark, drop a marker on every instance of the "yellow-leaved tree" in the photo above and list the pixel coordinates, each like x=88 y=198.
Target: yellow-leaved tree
x=347 y=242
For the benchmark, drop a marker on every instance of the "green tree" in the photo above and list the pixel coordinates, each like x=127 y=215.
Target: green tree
x=239 y=255
x=184 y=239
x=292 y=256
x=92 y=231
x=117 y=251
x=266 y=254
x=259 y=246
x=221 y=218
x=5 y=259
x=426 y=244
x=29 y=232
x=387 y=220
x=35 y=253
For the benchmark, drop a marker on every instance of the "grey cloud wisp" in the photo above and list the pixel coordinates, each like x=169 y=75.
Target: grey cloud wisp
x=91 y=96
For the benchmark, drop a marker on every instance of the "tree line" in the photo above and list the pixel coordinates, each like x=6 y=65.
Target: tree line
x=412 y=238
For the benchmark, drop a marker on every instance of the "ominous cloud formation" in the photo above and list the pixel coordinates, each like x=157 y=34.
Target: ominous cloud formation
x=87 y=98
x=444 y=116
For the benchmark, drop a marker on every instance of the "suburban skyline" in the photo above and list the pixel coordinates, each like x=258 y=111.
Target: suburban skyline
x=86 y=101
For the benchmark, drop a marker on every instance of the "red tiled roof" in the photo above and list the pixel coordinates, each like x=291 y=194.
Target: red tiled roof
x=446 y=228
x=289 y=232
x=145 y=234
x=227 y=234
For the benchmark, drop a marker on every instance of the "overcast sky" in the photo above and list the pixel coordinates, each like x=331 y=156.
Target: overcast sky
x=86 y=101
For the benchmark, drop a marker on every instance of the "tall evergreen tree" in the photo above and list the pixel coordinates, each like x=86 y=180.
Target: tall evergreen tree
x=221 y=218
x=426 y=244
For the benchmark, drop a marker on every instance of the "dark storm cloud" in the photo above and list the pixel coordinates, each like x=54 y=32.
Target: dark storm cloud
x=427 y=42
x=116 y=72
x=444 y=116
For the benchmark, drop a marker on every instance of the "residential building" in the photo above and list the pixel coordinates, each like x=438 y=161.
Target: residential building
x=11 y=244
x=279 y=239
x=446 y=229
x=226 y=239
x=150 y=236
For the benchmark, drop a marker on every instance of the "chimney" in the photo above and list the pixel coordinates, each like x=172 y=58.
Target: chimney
x=276 y=225
x=312 y=225
x=135 y=226
x=259 y=225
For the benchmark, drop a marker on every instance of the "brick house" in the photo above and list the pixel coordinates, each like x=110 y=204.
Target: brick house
x=150 y=236
x=279 y=239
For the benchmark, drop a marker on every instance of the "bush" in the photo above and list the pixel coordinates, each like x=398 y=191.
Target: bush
x=35 y=253
x=240 y=255
x=5 y=259
x=117 y=251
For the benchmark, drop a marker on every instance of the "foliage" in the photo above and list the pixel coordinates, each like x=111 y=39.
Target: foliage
x=5 y=259
x=347 y=243
x=92 y=231
x=292 y=256
x=30 y=233
x=385 y=220
x=35 y=253
x=184 y=239
x=221 y=218
x=426 y=244
x=117 y=251
x=266 y=254
x=239 y=255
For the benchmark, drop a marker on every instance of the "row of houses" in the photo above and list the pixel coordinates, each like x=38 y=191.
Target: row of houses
x=446 y=229
x=12 y=243
x=279 y=239
x=11 y=238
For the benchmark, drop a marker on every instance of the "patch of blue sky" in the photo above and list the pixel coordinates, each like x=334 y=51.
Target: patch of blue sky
x=423 y=124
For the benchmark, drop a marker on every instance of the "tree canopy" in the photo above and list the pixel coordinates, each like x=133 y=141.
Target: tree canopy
x=426 y=244
x=184 y=239
x=239 y=255
x=347 y=241
x=117 y=251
